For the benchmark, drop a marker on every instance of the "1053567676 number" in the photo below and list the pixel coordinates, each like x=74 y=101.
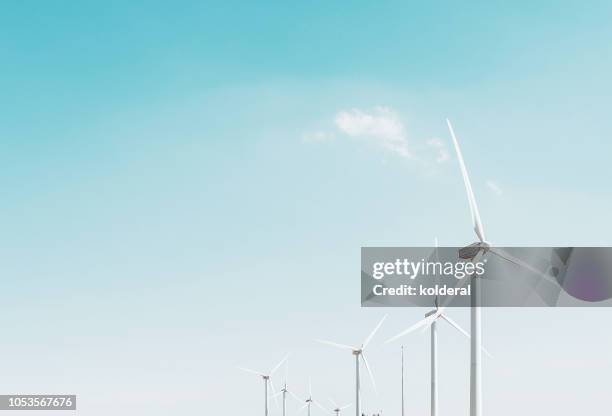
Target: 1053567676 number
x=39 y=402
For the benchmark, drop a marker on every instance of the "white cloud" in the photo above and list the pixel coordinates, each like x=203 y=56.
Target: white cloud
x=494 y=187
x=443 y=154
x=381 y=125
x=317 y=136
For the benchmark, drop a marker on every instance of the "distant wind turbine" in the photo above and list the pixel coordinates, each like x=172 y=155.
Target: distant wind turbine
x=359 y=352
x=337 y=408
x=285 y=390
x=309 y=401
x=266 y=378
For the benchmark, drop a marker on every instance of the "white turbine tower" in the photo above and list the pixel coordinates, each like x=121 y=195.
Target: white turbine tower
x=337 y=409
x=285 y=390
x=469 y=253
x=430 y=321
x=402 y=380
x=266 y=378
x=359 y=352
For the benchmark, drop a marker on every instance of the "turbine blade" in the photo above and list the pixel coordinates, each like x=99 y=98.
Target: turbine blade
x=464 y=332
x=334 y=344
x=509 y=257
x=488 y=354
x=365 y=361
x=248 y=370
x=333 y=403
x=279 y=364
x=369 y=338
x=436 y=300
x=286 y=372
x=320 y=406
x=476 y=222
x=274 y=394
x=413 y=328
x=295 y=396
x=303 y=407
x=310 y=387
x=345 y=406
x=455 y=325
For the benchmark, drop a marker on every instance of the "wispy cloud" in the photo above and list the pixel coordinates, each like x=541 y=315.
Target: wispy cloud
x=443 y=154
x=494 y=187
x=381 y=125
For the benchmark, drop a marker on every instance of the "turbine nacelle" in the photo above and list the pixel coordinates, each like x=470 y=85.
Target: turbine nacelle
x=432 y=312
x=471 y=251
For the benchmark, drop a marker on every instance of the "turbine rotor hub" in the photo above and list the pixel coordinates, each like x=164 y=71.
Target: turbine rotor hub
x=471 y=251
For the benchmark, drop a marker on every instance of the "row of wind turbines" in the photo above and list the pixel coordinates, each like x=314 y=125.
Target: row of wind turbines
x=284 y=391
x=429 y=322
x=472 y=253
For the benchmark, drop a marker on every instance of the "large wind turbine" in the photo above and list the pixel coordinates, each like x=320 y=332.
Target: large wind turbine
x=430 y=321
x=359 y=352
x=266 y=378
x=469 y=253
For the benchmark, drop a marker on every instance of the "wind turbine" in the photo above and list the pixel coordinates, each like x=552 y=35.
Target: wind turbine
x=469 y=253
x=430 y=321
x=359 y=352
x=266 y=378
x=285 y=390
x=337 y=408
x=309 y=401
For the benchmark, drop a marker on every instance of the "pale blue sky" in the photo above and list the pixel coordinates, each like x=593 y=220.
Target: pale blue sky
x=167 y=216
